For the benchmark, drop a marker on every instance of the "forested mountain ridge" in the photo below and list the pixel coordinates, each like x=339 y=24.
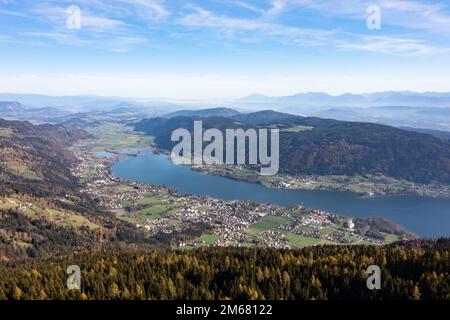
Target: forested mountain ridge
x=34 y=159
x=42 y=211
x=415 y=270
x=330 y=147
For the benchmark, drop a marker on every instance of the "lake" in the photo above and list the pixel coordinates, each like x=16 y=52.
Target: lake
x=427 y=217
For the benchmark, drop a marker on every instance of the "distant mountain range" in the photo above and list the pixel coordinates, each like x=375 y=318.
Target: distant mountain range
x=429 y=110
x=76 y=104
x=310 y=99
x=320 y=99
x=11 y=106
x=417 y=117
x=330 y=147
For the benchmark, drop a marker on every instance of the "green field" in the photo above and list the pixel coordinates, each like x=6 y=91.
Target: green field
x=202 y=209
x=23 y=171
x=66 y=218
x=298 y=129
x=389 y=238
x=118 y=137
x=149 y=200
x=299 y=242
x=209 y=238
x=268 y=223
x=153 y=208
x=5 y=132
x=327 y=230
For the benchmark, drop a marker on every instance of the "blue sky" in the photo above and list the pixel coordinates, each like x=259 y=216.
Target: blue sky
x=223 y=48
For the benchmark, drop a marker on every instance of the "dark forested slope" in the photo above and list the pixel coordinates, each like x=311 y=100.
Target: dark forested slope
x=331 y=147
x=416 y=270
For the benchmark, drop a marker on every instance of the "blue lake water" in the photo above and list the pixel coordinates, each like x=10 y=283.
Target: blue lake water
x=428 y=217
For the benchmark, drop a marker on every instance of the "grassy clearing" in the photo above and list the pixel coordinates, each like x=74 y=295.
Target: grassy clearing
x=70 y=219
x=149 y=200
x=153 y=212
x=121 y=188
x=65 y=218
x=351 y=239
x=118 y=137
x=209 y=238
x=23 y=171
x=268 y=223
x=172 y=222
x=327 y=230
x=305 y=228
x=389 y=238
x=202 y=209
x=6 y=132
x=298 y=129
x=300 y=242
x=153 y=209
x=247 y=245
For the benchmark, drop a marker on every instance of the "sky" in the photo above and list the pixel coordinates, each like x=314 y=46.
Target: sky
x=204 y=49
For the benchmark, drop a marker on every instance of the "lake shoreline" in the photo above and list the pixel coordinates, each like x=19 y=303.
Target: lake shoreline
x=392 y=208
x=284 y=182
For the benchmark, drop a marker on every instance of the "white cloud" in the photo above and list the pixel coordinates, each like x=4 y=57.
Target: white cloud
x=12 y=13
x=93 y=23
x=247 y=6
x=60 y=37
x=261 y=29
x=152 y=9
x=284 y=34
x=277 y=7
x=404 y=13
x=396 y=46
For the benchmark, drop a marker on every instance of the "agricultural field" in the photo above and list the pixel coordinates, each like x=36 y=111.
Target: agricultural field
x=298 y=129
x=58 y=216
x=22 y=170
x=151 y=207
x=116 y=137
x=6 y=133
x=298 y=241
x=268 y=223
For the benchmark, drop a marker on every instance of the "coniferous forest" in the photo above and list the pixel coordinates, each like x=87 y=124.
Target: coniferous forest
x=413 y=270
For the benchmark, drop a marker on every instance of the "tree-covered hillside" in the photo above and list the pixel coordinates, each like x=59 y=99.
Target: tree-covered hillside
x=417 y=270
x=314 y=146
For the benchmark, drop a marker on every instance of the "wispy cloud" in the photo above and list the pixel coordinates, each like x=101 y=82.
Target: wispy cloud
x=246 y=5
x=277 y=7
x=12 y=13
x=104 y=24
x=299 y=36
x=91 y=22
x=60 y=37
x=395 y=46
x=131 y=22
x=124 y=43
x=409 y=14
x=151 y=9
x=262 y=29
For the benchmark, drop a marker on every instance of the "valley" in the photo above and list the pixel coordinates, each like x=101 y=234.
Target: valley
x=159 y=209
